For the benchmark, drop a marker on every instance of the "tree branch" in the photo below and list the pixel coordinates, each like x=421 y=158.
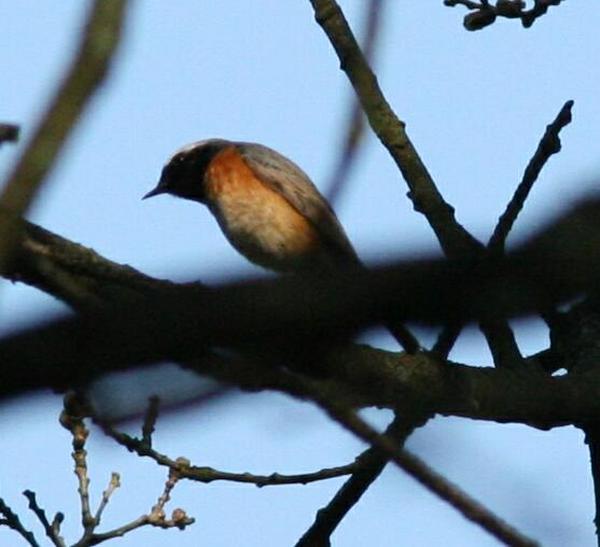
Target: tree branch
x=549 y=144
x=205 y=474
x=483 y=13
x=370 y=464
x=592 y=439
x=454 y=239
x=433 y=481
x=51 y=530
x=88 y=70
x=306 y=309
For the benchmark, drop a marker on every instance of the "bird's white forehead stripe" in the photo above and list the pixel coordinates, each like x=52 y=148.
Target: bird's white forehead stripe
x=198 y=144
x=190 y=146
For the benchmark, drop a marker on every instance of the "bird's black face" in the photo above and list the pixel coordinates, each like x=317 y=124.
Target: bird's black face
x=184 y=175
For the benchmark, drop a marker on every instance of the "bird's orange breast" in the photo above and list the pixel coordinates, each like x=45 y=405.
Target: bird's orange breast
x=259 y=222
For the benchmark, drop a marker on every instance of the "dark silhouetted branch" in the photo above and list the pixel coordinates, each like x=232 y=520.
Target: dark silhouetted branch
x=269 y=317
x=369 y=466
x=12 y=521
x=88 y=70
x=483 y=14
x=433 y=481
x=454 y=239
x=72 y=419
x=549 y=145
x=52 y=529
x=498 y=333
x=355 y=121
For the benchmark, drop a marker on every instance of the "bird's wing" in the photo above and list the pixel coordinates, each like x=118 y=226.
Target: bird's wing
x=288 y=180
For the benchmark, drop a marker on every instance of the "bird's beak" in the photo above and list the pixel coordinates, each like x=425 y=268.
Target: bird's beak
x=160 y=189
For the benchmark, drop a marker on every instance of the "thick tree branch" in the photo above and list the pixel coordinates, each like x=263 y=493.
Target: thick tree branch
x=454 y=239
x=205 y=474
x=355 y=120
x=313 y=309
x=88 y=70
x=78 y=275
x=51 y=529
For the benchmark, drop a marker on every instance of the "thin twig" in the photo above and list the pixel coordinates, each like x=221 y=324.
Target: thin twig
x=355 y=120
x=113 y=484
x=9 y=133
x=548 y=145
x=72 y=419
x=498 y=333
x=484 y=14
x=150 y=418
x=206 y=474
x=12 y=520
x=87 y=72
x=454 y=239
x=156 y=516
x=50 y=529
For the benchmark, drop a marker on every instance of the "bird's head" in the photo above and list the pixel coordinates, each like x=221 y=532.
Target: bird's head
x=184 y=173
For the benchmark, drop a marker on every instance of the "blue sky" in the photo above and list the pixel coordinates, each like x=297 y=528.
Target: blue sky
x=475 y=105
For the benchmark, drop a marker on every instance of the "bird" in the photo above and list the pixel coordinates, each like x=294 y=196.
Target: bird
x=267 y=207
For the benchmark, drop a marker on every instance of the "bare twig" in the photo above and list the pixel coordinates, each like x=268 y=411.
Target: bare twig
x=204 y=474
x=113 y=484
x=87 y=72
x=8 y=133
x=498 y=333
x=355 y=120
x=549 y=145
x=51 y=529
x=561 y=260
x=71 y=420
x=12 y=520
x=156 y=517
x=150 y=421
x=484 y=14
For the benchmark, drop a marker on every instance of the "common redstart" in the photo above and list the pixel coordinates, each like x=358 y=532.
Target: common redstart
x=266 y=206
